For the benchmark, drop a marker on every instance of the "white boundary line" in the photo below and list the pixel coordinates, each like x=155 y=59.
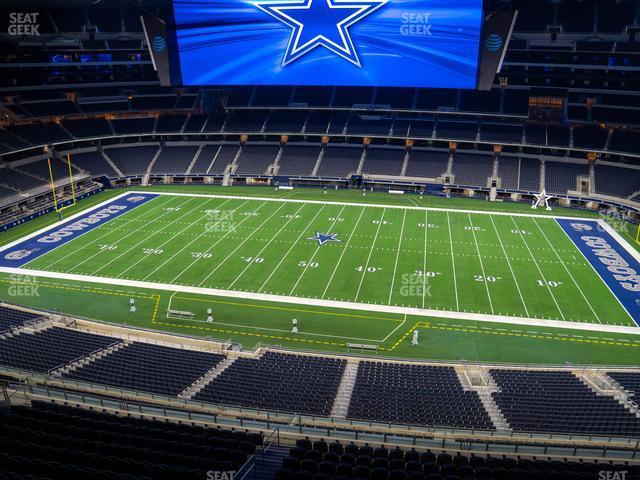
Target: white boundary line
x=329 y=303
x=395 y=266
x=72 y=217
x=372 y=205
x=484 y=275
x=504 y=251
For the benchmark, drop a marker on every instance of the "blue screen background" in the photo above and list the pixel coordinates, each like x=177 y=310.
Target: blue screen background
x=233 y=42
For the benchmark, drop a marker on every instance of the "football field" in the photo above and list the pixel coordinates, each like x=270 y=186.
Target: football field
x=390 y=257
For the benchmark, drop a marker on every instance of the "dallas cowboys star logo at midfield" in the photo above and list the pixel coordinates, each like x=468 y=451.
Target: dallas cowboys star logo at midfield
x=323 y=238
x=317 y=23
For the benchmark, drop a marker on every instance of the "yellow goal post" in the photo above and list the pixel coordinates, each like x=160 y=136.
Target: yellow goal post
x=53 y=186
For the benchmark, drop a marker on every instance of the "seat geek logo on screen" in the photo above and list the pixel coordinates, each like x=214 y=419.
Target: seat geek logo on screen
x=397 y=43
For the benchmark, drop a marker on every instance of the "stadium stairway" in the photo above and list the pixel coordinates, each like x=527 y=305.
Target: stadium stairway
x=267 y=462
x=81 y=362
x=484 y=386
x=203 y=381
x=343 y=397
x=602 y=384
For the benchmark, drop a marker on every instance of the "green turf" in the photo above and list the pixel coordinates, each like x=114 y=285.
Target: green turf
x=492 y=264
x=253 y=322
x=506 y=265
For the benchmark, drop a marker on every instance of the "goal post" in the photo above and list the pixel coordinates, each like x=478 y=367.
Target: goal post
x=56 y=206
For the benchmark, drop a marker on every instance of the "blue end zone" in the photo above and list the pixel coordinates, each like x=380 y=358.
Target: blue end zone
x=617 y=267
x=57 y=235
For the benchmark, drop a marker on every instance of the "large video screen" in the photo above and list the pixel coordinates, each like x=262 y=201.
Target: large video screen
x=395 y=43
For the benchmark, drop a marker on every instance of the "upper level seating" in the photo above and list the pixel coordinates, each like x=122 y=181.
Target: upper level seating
x=369 y=125
x=384 y=161
x=529 y=174
x=62 y=442
x=508 y=170
x=593 y=138
x=286 y=121
x=18 y=180
x=214 y=122
x=472 y=168
x=133 y=125
x=318 y=122
x=170 y=123
x=337 y=460
x=277 y=381
x=40 y=133
x=421 y=128
x=254 y=159
x=427 y=163
x=11 y=317
x=243 y=121
x=47 y=109
x=401 y=98
x=616 y=181
x=557 y=136
x=196 y=122
x=207 y=154
x=132 y=160
x=174 y=160
x=148 y=102
x=415 y=394
x=240 y=96
x=225 y=156
x=90 y=127
x=40 y=168
x=560 y=177
x=313 y=96
x=622 y=141
x=400 y=127
x=93 y=162
x=434 y=99
x=350 y=96
x=630 y=381
x=457 y=130
x=339 y=161
x=501 y=133
x=536 y=134
x=298 y=160
x=272 y=96
x=338 y=123
x=6 y=192
x=9 y=141
x=557 y=401
x=49 y=348
x=473 y=101
x=148 y=368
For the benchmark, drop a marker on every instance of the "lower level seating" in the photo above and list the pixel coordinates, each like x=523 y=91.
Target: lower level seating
x=329 y=461
x=48 y=441
x=11 y=317
x=415 y=394
x=558 y=402
x=276 y=381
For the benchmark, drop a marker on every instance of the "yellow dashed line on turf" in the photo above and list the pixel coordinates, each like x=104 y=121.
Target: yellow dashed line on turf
x=289 y=309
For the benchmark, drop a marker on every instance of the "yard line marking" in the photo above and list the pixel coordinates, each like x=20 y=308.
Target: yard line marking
x=304 y=270
x=191 y=242
x=424 y=260
x=395 y=329
x=395 y=267
x=145 y=238
x=211 y=247
x=510 y=267
x=373 y=205
x=109 y=232
x=293 y=245
x=344 y=250
x=316 y=302
x=567 y=270
x=135 y=230
x=538 y=267
x=186 y=227
x=240 y=245
x=484 y=276
x=266 y=245
x=453 y=263
x=364 y=270
x=206 y=230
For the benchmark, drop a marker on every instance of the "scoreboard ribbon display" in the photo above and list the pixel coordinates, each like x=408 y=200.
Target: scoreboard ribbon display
x=395 y=43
